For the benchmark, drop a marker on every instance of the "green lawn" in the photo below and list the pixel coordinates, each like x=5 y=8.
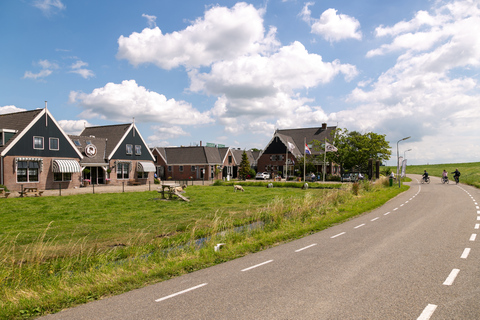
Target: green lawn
x=57 y=252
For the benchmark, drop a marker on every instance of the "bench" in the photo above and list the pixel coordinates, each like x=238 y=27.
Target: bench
x=134 y=183
x=5 y=193
x=31 y=191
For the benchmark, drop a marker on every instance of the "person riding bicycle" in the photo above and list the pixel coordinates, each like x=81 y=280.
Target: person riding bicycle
x=456 y=175
x=425 y=175
x=445 y=175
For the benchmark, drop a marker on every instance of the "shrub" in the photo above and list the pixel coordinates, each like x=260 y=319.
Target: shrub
x=355 y=188
x=2 y=186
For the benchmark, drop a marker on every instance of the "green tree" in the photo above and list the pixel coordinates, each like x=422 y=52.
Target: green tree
x=244 y=170
x=355 y=149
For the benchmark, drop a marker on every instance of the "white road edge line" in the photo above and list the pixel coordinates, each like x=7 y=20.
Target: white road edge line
x=473 y=237
x=465 y=253
x=427 y=312
x=360 y=225
x=306 y=247
x=375 y=219
x=257 y=265
x=451 y=277
x=337 y=235
x=386 y=213
x=181 y=292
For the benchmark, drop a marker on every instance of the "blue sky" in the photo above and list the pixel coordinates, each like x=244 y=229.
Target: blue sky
x=232 y=72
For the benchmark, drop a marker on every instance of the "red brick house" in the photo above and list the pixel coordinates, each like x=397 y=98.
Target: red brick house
x=36 y=152
x=287 y=145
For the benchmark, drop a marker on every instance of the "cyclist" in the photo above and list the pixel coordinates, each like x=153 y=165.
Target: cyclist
x=425 y=175
x=445 y=176
x=456 y=175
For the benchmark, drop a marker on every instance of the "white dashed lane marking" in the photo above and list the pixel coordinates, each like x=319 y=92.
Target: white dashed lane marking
x=337 y=235
x=312 y=245
x=427 y=312
x=451 y=277
x=465 y=253
x=257 y=265
x=181 y=292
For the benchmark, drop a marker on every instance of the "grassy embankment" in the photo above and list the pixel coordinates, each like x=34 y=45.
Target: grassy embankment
x=470 y=172
x=57 y=252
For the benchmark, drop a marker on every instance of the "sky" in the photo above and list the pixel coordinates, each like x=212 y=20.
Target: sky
x=226 y=72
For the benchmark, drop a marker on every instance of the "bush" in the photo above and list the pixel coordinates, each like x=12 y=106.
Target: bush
x=355 y=188
x=2 y=186
x=156 y=181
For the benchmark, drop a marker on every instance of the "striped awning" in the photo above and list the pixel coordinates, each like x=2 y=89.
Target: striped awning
x=143 y=166
x=66 y=166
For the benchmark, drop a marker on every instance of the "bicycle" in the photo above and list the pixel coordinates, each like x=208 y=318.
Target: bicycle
x=445 y=180
x=426 y=180
x=456 y=179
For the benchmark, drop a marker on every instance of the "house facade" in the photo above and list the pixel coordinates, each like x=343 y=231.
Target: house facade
x=36 y=152
x=115 y=154
x=191 y=163
x=287 y=146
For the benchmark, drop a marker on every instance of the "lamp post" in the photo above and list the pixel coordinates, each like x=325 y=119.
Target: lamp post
x=398 y=160
x=406 y=152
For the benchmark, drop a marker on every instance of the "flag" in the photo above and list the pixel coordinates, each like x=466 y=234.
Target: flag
x=307 y=149
x=330 y=147
x=291 y=146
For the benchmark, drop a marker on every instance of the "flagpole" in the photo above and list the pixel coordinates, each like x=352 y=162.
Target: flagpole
x=324 y=158
x=304 y=157
x=286 y=163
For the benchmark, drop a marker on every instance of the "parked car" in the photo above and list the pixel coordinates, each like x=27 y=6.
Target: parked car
x=262 y=176
x=351 y=177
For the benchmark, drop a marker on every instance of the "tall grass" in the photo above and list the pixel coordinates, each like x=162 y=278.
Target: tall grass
x=52 y=270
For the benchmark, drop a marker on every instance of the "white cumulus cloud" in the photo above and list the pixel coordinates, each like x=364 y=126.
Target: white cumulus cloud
x=127 y=100
x=221 y=34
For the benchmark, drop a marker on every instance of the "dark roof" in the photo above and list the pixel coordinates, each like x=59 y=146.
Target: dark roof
x=191 y=155
x=17 y=121
x=298 y=136
x=99 y=143
x=113 y=134
x=238 y=153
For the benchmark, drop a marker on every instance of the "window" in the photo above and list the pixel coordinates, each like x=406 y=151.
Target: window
x=123 y=170
x=169 y=169
x=77 y=143
x=38 y=143
x=129 y=149
x=194 y=168
x=27 y=171
x=142 y=175
x=138 y=150
x=229 y=159
x=180 y=168
x=54 y=144
x=58 y=176
x=88 y=142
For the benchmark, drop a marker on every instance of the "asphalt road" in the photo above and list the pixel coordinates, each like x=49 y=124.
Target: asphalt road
x=417 y=257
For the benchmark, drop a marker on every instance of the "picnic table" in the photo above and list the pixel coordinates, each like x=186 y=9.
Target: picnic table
x=31 y=191
x=2 y=191
x=169 y=190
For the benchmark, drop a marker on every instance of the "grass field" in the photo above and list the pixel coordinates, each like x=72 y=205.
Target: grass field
x=57 y=252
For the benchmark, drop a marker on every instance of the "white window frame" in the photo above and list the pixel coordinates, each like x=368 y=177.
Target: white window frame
x=34 y=143
x=50 y=143
x=138 y=150
x=129 y=148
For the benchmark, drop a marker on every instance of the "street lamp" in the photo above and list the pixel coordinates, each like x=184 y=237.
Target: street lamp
x=406 y=152
x=398 y=160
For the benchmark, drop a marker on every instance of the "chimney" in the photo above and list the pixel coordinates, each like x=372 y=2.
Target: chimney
x=324 y=126
x=200 y=143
